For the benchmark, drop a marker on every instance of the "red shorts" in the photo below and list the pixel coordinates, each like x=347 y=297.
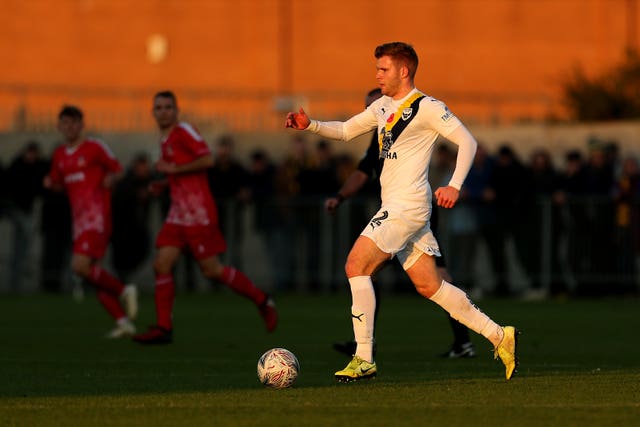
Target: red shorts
x=203 y=241
x=91 y=243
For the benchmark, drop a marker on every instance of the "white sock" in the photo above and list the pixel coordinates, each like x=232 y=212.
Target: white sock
x=363 y=308
x=123 y=321
x=460 y=307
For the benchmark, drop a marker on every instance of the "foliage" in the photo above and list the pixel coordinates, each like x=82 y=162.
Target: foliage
x=613 y=95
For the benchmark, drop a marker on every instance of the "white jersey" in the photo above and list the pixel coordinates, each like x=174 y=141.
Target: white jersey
x=406 y=155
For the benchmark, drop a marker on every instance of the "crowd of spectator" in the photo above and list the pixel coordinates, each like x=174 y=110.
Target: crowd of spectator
x=572 y=228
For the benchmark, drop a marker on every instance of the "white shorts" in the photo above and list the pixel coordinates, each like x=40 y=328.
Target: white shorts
x=402 y=235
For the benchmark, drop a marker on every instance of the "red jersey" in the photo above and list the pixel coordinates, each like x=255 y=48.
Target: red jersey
x=191 y=200
x=81 y=171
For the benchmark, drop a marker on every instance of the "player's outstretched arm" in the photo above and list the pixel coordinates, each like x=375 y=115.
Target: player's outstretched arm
x=343 y=131
x=298 y=120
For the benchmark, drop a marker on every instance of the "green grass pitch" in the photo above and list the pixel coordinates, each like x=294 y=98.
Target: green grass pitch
x=580 y=366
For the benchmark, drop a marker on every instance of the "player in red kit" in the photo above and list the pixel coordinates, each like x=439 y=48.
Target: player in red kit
x=86 y=170
x=191 y=223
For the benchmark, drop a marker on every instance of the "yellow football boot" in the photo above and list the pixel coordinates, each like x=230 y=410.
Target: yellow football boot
x=506 y=350
x=357 y=369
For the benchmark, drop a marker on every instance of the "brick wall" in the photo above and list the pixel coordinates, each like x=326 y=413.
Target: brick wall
x=490 y=60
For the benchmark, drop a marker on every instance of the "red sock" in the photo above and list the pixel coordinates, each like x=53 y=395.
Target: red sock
x=105 y=281
x=111 y=303
x=164 y=295
x=241 y=284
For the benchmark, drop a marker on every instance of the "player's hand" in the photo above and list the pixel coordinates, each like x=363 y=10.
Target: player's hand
x=298 y=120
x=331 y=204
x=48 y=183
x=447 y=196
x=165 y=167
x=157 y=187
x=109 y=180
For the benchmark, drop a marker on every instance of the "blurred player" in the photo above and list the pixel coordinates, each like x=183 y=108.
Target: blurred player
x=408 y=123
x=369 y=166
x=192 y=222
x=86 y=169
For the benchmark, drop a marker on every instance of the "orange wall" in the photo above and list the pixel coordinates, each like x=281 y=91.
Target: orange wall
x=488 y=59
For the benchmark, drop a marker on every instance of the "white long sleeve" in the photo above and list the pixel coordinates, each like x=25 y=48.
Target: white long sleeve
x=357 y=125
x=467 y=146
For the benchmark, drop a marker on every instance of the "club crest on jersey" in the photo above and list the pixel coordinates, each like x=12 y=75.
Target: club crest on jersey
x=387 y=140
x=82 y=162
x=387 y=143
x=406 y=113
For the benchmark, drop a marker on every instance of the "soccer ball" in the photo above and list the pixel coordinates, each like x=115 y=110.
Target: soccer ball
x=278 y=368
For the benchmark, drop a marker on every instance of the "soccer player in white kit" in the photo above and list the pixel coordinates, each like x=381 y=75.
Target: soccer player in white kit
x=408 y=123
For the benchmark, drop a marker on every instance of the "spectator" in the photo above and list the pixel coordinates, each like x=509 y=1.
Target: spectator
x=440 y=169
x=292 y=172
x=3 y=196
x=131 y=238
x=293 y=167
x=268 y=218
x=599 y=180
x=573 y=198
x=345 y=165
x=25 y=174
x=321 y=177
x=4 y=202
x=317 y=181
x=228 y=182
x=506 y=189
x=442 y=164
x=541 y=220
x=55 y=226
x=627 y=224
x=478 y=197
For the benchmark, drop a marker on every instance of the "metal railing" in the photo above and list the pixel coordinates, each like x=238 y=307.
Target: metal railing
x=579 y=248
x=34 y=107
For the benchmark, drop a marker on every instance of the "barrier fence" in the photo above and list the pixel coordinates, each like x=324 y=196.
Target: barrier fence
x=580 y=248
